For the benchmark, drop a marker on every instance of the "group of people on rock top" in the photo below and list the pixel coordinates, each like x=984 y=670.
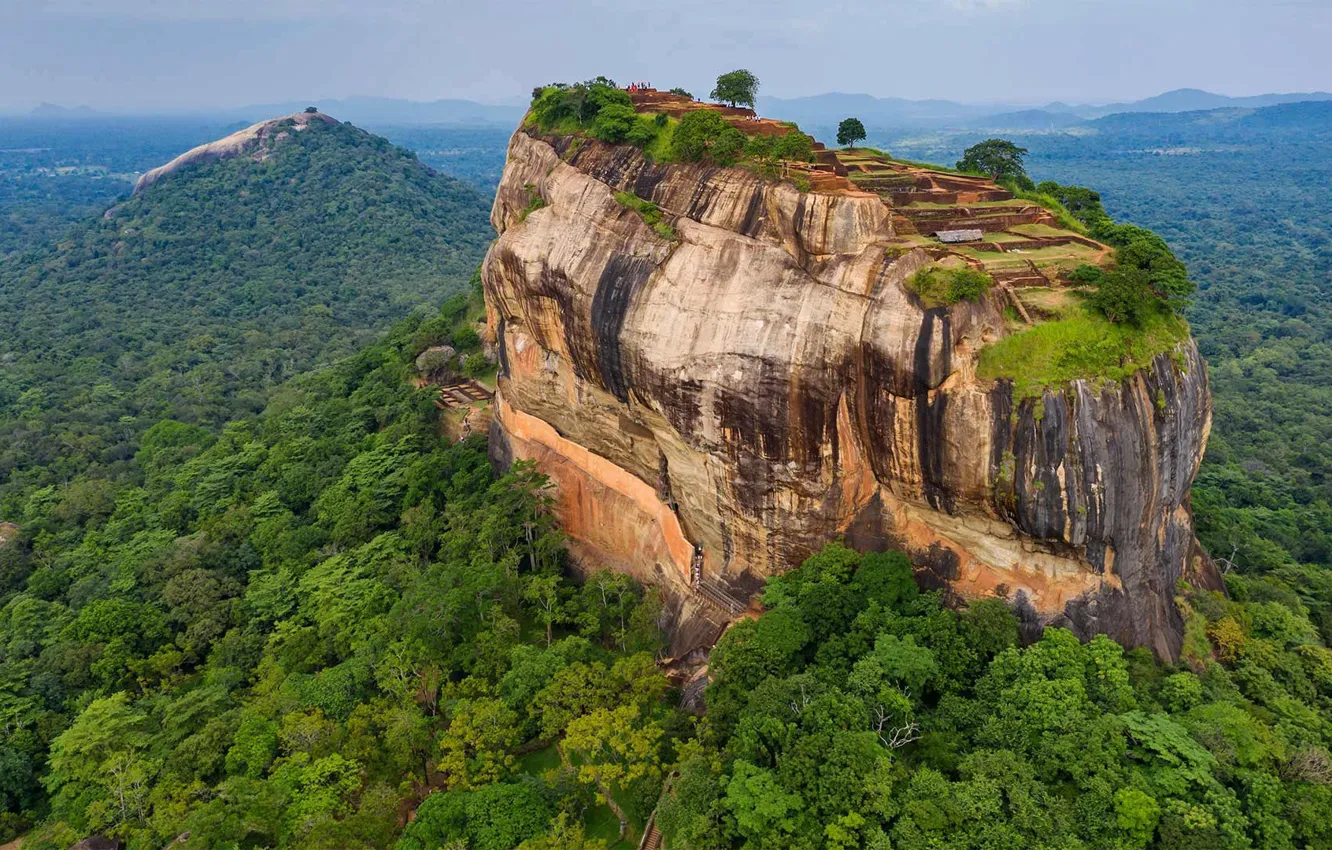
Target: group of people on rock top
x=638 y=87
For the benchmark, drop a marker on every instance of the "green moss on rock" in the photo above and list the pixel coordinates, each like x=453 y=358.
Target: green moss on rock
x=1082 y=344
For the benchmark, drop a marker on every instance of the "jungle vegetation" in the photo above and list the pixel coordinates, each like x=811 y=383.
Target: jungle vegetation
x=254 y=596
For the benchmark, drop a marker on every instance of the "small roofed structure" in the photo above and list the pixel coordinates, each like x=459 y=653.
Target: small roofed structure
x=953 y=236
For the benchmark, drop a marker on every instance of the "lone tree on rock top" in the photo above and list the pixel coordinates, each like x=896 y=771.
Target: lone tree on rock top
x=849 y=132
x=738 y=88
x=999 y=158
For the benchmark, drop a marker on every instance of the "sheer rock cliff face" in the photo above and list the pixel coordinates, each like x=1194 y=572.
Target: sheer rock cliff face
x=765 y=383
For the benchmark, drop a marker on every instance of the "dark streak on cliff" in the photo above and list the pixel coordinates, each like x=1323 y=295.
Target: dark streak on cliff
x=1002 y=459
x=754 y=216
x=1040 y=448
x=622 y=277
x=930 y=410
x=501 y=350
x=937 y=569
x=1127 y=451
x=755 y=434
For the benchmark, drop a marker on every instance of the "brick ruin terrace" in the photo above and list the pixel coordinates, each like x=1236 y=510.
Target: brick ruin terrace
x=1021 y=246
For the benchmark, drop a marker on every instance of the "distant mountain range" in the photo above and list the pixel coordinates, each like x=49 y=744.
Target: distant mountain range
x=55 y=110
x=1196 y=100
x=819 y=110
x=881 y=112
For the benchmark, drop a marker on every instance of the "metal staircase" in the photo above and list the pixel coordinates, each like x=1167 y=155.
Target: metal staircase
x=715 y=595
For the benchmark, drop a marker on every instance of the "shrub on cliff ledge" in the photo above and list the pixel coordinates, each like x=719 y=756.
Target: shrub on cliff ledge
x=938 y=287
x=1122 y=295
x=704 y=135
x=649 y=212
x=580 y=104
x=614 y=123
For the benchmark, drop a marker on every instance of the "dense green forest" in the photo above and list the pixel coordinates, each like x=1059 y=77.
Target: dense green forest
x=250 y=594
x=193 y=299
x=290 y=633
x=56 y=172
x=254 y=599
x=858 y=712
x=287 y=633
x=1244 y=197
x=37 y=208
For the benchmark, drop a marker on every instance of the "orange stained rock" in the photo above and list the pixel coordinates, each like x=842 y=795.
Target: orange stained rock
x=600 y=503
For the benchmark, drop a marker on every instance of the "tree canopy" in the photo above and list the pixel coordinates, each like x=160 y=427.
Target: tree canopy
x=704 y=134
x=736 y=88
x=193 y=300
x=287 y=633
x=849 y=132
x=859 y=712
x=1146 y=276
x=1000 y=159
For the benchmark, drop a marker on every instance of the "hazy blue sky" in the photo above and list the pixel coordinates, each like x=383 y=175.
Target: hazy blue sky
x=160 y=54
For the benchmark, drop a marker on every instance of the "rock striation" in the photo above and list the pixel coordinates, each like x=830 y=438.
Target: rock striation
x=728 y=401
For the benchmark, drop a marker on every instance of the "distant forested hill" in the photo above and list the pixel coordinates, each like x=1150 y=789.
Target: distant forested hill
x=55 y=171
x=192 y=300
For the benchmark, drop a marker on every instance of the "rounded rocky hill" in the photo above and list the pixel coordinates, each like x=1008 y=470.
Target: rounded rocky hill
x=256 y=141
x=716 y=399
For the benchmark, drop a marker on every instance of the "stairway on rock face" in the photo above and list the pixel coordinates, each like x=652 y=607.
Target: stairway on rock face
x=715 y=595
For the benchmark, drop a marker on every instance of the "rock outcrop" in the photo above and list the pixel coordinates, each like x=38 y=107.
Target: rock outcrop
x=256 y=141
x=733 y=399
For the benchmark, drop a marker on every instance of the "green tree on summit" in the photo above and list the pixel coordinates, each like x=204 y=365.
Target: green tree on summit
x=704 y=134
x=849 y=132
x=999 y=158
x=737 y=88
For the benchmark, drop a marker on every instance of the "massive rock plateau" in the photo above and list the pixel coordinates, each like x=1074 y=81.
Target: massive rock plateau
x=765 y=383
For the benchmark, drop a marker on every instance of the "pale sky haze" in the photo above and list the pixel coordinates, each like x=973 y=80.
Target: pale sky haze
x=155 y=55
